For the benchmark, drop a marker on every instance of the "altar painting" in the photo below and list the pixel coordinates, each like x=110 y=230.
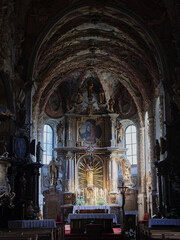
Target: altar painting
x=90 y=131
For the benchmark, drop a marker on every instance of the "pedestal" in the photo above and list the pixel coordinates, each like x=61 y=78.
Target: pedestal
x=53 y=201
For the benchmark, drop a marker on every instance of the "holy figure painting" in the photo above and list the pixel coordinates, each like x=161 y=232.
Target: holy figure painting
x=90 y=131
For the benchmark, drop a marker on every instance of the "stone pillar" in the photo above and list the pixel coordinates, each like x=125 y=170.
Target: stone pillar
x=151 y=161
x=141 y=171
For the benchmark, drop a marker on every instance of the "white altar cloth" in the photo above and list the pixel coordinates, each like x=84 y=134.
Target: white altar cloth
x=46 y=223
x=91 y=207
x=112 y=216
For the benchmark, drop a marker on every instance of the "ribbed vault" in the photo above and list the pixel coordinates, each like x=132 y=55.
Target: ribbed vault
x=107 y=44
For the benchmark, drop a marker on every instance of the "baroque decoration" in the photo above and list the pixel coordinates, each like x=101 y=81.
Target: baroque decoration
x=89 y=69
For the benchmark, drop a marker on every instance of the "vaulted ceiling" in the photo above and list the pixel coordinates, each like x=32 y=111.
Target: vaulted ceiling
x=109 y=43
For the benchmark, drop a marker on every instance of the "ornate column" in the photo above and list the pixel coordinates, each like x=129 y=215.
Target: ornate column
x=113 y=129
x=69 y=176
x=69 y=131
x=68 y=182
x=113 y=178
x=141 y=173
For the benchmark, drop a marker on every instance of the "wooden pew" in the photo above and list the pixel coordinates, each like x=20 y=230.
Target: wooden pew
x=164 y=229
x=27 y=234
x=32 y=229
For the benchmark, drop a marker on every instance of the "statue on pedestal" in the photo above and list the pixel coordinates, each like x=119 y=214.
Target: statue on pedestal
x=111 y=105
x=79 y=98
x=53 y=169
x=60 y=132
x=126 y=171
x=101 y=96
x=39 y=152
x=120 y=132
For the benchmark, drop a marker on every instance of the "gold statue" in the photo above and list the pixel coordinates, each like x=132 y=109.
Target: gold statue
x=101 y=96
x=111 y=105
x=79 y=98
x=89 y=176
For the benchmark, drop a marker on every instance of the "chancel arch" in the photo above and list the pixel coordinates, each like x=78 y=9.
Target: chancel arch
x=94 y=102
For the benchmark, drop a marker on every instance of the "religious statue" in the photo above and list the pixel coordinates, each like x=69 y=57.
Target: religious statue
x=157 y=150
x=69 y=105
x=101 y=96
x=120 y=132
x=111 y=105
x=59 y=130
x=126 y=171
x=53 y=169
x=39 y=152
x=31 y=212
x=89 y=176
x=90 y=88
x=79 y=98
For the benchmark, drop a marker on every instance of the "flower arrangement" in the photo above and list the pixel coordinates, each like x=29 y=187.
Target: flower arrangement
x=80 y=201
x=130 y=235
x=172 y=214
x=101 y=201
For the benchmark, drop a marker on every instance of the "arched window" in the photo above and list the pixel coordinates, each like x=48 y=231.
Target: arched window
x=131 y=144
x=47 y=144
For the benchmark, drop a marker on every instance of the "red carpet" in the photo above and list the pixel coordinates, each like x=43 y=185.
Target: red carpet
x=76 y=236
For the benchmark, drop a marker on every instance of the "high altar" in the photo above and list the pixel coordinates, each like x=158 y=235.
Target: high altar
x=90 y=150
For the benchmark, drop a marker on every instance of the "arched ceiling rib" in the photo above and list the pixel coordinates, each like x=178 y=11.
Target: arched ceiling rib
x=106 y=43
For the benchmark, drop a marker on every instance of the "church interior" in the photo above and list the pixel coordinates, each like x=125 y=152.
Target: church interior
x=89 y=119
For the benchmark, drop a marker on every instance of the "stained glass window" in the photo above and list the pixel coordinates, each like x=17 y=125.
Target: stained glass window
x=131 y=144
x=47 y=144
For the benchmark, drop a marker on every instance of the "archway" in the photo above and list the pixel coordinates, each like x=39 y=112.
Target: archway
x=113 y=48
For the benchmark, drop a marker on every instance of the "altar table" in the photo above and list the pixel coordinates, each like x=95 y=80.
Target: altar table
x=79 y=221
x=34 y=227
x=101 y=207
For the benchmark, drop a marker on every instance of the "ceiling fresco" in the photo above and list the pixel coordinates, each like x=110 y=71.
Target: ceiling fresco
x=105 y=41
